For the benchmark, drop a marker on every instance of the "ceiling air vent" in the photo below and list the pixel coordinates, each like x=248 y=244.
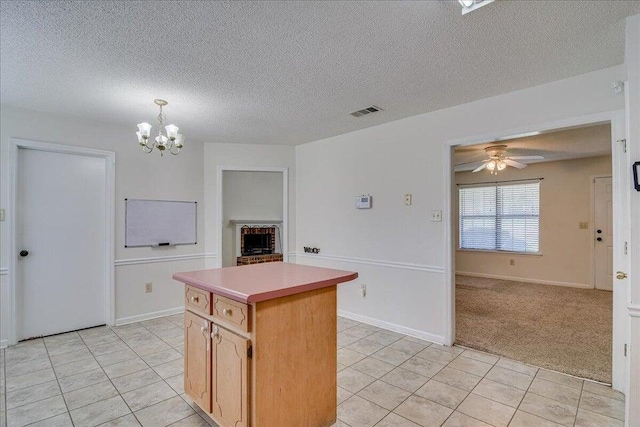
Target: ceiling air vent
x=365 y=111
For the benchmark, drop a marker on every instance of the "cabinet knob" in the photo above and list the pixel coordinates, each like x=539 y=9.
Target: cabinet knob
x=215 y=332
x=226 y=311
x=194 y=299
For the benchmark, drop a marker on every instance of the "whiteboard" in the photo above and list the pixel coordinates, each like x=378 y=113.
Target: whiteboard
x=159 y=222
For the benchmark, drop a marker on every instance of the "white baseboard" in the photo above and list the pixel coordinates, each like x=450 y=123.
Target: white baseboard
x=521 y=279
x=4 y=343
x=437 y=339
x=148 y=316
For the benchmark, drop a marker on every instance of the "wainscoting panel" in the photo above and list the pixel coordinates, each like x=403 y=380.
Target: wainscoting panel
x=407 y=298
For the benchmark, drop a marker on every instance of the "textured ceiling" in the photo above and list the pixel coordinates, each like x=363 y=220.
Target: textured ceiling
x=574 y=143
x=290 y=72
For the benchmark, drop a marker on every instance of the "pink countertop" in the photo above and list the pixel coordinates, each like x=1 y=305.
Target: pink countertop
x=261 y=282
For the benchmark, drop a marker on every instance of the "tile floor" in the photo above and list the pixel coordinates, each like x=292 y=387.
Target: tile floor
x=132 y=375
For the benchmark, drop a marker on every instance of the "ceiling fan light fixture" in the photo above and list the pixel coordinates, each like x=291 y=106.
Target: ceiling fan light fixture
x=501 y=165
x=466 y=3
x=491 y=165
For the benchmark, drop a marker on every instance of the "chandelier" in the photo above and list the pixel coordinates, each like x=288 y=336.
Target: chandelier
x=172 y=143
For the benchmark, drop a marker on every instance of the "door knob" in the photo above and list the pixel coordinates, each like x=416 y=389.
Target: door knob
x=24 y=253
x=599 y=239
x=620 y=275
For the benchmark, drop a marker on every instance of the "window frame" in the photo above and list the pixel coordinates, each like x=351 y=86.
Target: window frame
x=495 y=250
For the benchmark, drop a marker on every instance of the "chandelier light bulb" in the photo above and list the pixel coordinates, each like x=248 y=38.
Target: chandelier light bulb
x=145 y=129
x=172 y=131
x=161 y=140
x=179 y=142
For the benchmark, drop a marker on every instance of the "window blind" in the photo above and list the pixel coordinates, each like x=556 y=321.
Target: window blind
x=500 y=217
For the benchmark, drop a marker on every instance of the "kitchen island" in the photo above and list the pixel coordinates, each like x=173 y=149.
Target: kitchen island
x=260 y=344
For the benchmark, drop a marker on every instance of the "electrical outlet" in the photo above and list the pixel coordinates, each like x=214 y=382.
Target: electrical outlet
x=363 y=290
x=436 y=216
x=148 y=287
x=512 y=262
x=408 y=199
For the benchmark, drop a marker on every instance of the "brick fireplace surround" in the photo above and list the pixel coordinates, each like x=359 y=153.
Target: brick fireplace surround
x=262 y=258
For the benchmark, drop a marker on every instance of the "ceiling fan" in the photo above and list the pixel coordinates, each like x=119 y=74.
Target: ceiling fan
x=498 y=160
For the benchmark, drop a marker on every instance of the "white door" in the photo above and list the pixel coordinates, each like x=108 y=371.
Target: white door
x=603 y=233
x=61 y=234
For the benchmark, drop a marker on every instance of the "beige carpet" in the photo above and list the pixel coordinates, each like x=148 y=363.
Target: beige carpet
x=559 y=328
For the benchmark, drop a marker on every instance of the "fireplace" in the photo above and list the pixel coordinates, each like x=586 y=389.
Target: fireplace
x=257 y=240
x=258 y=245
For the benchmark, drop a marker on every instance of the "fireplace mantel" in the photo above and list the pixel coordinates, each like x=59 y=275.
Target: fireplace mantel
x=255 y=221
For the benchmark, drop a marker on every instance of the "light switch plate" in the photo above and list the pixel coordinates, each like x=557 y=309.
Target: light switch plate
x=436 y=216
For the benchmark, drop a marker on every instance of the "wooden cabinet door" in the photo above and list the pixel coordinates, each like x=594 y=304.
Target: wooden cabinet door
x=230 y=380
x=197 y=360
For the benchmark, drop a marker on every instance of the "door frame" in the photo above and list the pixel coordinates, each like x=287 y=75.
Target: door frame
x=285 y=205
x=109 y=157
x=621 y=220
x=592 y=222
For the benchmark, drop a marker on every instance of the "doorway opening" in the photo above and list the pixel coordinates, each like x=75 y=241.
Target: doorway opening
x=525 y=251
x=252 y=215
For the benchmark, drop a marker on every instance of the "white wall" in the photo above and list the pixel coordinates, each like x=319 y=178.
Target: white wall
x=398 y=252
x=565 y=250
x=243 y=155
x=247 y=195
x=138 y=175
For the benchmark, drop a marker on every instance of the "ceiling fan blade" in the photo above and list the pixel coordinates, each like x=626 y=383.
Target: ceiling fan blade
x=515 y=164
x=484 y=165
x=526 y=157
x=484 y=159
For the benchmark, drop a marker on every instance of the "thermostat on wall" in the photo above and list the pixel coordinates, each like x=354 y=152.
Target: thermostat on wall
x=363 y=202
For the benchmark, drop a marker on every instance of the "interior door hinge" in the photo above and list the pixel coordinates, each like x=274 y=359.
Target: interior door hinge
x=625 y=350
x=624 y=145
x=250 y=352
x=626 y=248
